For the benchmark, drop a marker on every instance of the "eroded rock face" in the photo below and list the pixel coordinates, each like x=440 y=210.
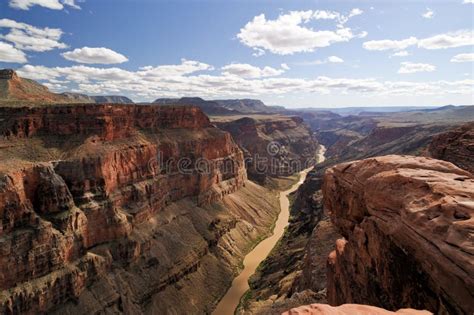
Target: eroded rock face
x=348 y=309
x=273 y=145
x=455 y=146
x=407 y=223
x=98 y=213
x=108 y=122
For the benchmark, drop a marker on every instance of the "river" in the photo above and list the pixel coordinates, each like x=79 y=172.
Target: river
x=230 y=301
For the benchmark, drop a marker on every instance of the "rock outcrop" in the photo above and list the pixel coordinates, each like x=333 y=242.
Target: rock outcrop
x=407 y=223
x=273 y=145
x=348 y=309
x=14 y=89
x=209 y=107
x=121 y=208
x=455 y=146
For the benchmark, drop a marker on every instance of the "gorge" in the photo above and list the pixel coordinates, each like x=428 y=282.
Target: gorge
x=135 y=208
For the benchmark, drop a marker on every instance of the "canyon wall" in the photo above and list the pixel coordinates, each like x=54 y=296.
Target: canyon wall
x=117 y=208
x=455 y=146
x=407 y=225
x=273 y=145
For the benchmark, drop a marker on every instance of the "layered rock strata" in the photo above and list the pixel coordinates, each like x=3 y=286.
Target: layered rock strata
x=121 y=208
x=273 y=146
x=407 y=223
x=455 y=146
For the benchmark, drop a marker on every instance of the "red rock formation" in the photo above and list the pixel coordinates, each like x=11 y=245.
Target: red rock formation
x=273 y=145
x=106 y=121
x=407 y=223
x=14 y=89
x=121 y=165
x=348 y=309
x=455 y=146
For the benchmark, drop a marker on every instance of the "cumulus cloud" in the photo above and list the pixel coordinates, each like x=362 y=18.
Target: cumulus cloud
x=248 y=71
x=27 y=37
x=284 y=66
x=185 y=68
x=50 y=4
x=193 y=78
x=463 y=58
x=335 y=59
x=441 y=41
x=98 y=55
x=448 y=40
x=429 y=14
x=290 y=33
x=8 y=53
x=387 y=44
x=468 y=1
x=410 y=67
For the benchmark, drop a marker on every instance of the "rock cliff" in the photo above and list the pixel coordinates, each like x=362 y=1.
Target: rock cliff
x=273 y=145
x=348 y=309
x=455 y=146
x=14 y=89
x=407 y=223
x=117 y=208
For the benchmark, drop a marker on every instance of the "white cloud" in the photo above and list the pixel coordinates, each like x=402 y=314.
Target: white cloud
x=248 y=71
x=192 y=78
x=289 y=33
x=284 y=66
x=409 y=67
x=448 y=40
x=463 y=58
x=441 y=41
x=429 y=14
x=355 y=11
x=72 y=4
x=335 y=59
x=28 y=37
x=99 y=55
x=468 y=1
x=401 y=53
x=185 y=68
x=8 y=53
x=330 y=59
x=50 y=4
x=387 y=44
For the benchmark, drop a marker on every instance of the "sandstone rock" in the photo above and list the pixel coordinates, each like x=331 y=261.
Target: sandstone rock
x=455 y=146
x=98 y=212
x=407 y=223
x=348 y=309
x=273 y=145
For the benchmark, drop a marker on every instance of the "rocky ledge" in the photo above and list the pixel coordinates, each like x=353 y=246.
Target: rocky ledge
x=455 y=146
x=407 y=223
x=348 y=309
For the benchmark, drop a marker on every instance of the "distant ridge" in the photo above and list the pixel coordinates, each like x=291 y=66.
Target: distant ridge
x=209 y=107
x=15 y=90
x=84 y=98
x=223 y=107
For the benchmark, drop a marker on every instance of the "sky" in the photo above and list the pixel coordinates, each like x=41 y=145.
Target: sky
x=292 y=53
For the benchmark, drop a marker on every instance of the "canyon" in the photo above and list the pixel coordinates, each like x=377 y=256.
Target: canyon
x=135 y=208
x=273 y=145
x=98 y=215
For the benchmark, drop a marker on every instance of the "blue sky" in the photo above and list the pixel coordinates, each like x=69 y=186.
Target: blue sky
x=292 y=53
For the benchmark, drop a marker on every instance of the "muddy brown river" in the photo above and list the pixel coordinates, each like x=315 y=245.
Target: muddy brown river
x=240 y=285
